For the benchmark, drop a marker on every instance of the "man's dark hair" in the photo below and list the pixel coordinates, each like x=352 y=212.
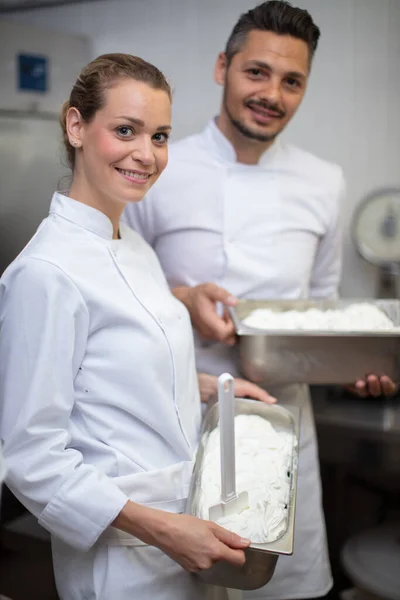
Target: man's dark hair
x=279 y=17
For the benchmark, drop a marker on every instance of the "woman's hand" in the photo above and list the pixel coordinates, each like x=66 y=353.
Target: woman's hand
x=196 y=544
x=208 y=385
x=193 y=543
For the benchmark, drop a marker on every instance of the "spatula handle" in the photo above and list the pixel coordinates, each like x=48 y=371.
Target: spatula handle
x=227 y=432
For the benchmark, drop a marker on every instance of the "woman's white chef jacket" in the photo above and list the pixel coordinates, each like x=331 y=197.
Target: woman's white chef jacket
x=269 y=230
x=99 y=400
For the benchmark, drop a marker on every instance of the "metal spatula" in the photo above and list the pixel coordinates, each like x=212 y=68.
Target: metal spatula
x=231 y=503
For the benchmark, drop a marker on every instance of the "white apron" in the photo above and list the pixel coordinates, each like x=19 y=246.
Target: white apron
x=307 y=573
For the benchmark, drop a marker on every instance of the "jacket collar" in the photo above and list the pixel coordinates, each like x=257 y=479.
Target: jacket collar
x=81 y=214
x=222 y=148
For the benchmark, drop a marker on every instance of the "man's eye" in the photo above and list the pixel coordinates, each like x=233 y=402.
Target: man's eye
x=294 y=83
x=255 y=72
x=125 y=131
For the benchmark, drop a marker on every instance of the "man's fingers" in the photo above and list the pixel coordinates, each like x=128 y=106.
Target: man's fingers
x=360 y=388
x=217 y=328
x=228 y=333
x=230 y=341
x=251 y=390
x=388 y=386
x=218 y=294
x=374 y=386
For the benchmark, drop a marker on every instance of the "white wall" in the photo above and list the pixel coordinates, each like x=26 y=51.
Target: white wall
x=66 y=56
x=351 y=111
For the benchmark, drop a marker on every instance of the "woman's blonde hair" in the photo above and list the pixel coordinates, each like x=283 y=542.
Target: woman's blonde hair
x=88 y=92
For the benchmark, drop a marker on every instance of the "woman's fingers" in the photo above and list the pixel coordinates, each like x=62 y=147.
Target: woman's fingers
x=246 y=389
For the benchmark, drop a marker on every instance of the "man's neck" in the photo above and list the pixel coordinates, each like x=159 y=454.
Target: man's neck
x=248 y=151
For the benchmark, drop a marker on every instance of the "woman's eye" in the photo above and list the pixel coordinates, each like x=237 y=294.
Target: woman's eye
x=161 y=138
x=125 y=131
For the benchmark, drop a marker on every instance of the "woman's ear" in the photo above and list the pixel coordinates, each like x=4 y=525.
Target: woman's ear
x=74 y=123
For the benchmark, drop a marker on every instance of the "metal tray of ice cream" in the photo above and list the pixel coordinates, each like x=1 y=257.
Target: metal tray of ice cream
x=277 y=357
x=261 y=559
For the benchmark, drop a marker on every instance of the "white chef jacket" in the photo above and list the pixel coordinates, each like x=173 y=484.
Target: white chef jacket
x=2 y=471
x=269 y=230
x=2 y=467
x=99 y=399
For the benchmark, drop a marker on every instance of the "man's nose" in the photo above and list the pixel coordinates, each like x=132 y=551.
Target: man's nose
x=271 y=91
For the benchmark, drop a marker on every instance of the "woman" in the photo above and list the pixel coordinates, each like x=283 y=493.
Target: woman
x=100 y=396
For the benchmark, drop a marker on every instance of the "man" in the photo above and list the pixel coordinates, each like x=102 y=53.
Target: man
x=259 y=218
x=2 y=476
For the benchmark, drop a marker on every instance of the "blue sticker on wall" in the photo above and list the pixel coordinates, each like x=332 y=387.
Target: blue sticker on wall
x=32 y=72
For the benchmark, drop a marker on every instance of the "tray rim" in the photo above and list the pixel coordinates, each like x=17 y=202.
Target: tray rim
x=245 y=330
x=285 y=543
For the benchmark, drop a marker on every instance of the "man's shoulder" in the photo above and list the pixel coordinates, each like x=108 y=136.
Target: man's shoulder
x=308 y=165
x=182 y=149
x=187 y=158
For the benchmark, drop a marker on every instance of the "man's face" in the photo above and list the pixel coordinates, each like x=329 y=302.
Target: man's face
x=264 y=84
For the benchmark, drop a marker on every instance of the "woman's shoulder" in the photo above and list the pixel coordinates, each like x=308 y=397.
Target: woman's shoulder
x=30 y=275
x=42 y=253
x=41 y=268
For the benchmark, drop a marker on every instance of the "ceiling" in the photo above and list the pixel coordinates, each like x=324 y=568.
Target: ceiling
x=7 y=6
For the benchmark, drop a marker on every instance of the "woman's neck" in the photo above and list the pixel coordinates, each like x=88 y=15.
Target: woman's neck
x=83 y=193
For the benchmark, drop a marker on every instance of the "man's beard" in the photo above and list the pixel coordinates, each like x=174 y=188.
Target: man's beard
x=246 y=131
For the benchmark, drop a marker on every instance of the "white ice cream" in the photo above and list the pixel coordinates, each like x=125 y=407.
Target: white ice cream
x=263 y=469
x=356 y=317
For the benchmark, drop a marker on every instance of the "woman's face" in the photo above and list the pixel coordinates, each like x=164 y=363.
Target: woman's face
x=124 y=149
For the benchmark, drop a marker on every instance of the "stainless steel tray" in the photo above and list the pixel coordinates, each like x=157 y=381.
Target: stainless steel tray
x=260 y=558
x=276 y=357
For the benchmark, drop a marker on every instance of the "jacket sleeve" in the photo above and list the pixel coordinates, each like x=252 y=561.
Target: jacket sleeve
x=327 y=269
x=44 y=326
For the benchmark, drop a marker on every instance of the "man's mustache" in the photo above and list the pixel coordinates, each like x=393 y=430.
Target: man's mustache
x=267 y=106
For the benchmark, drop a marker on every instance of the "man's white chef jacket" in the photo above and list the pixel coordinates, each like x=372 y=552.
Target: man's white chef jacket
x=270 y=230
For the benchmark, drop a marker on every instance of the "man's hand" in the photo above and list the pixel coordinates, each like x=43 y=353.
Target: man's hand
x=201 y=303
x=208 y=385
x=373 y=385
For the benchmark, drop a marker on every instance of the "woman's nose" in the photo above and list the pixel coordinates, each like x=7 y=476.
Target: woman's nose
x=143 y=152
